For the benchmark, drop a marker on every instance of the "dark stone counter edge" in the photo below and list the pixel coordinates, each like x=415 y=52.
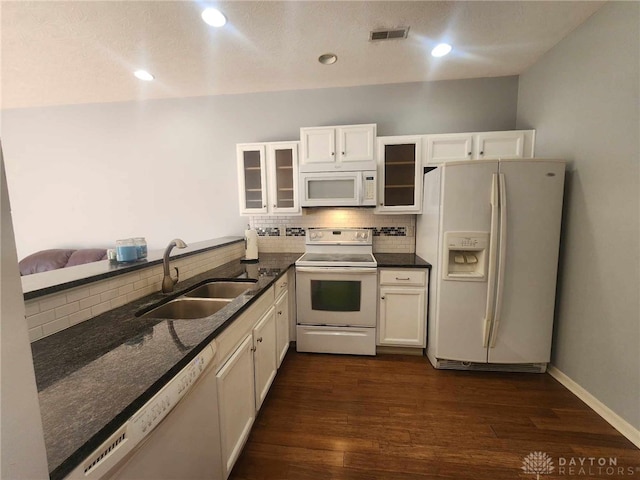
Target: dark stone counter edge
x=400 y=260
x=76 y=458
x=115 y=269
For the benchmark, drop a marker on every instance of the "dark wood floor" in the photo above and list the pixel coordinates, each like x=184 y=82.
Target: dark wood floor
x=395 y=417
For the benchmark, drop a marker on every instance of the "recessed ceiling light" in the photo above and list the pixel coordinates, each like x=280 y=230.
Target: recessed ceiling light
x=143 y=75
x=213 y=17
x=441 y=50
x=328 y=58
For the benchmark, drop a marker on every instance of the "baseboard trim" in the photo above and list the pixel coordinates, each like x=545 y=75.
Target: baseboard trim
x=400 y=350
x=616 y=421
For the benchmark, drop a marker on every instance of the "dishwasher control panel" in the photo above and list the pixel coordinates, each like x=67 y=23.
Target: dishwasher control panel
x=161 y=404
x=125 y=439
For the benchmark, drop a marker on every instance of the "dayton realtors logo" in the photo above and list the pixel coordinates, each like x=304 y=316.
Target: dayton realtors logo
x=537 y=463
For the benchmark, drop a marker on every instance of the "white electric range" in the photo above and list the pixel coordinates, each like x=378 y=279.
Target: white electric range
x=336 y=292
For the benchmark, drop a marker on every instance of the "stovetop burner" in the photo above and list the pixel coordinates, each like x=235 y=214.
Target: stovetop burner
x=337 y=257
x=328 y=247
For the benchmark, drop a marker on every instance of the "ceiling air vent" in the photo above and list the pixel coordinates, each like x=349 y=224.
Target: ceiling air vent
x=389 y=34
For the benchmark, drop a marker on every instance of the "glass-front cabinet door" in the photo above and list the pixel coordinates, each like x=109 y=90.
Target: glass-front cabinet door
x=400 y=174
x=252 y=178
x=283 y=177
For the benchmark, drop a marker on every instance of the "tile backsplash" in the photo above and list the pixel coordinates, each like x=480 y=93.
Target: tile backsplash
x=391 y=233
x=51 y=313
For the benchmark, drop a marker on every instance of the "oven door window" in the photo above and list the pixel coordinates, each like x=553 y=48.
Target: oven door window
x=335 y=295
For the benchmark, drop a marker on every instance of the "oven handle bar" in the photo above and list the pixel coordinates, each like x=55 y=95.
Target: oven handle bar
x=372 y=270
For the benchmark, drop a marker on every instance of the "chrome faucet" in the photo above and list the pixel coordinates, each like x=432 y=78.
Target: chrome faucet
x=167 y=281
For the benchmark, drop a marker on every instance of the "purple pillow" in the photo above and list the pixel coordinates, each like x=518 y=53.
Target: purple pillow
x=87 y=255
x=44 y=261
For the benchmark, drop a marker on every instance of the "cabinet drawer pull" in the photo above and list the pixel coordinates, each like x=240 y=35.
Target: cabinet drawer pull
x=284 y=284
x=398 y=278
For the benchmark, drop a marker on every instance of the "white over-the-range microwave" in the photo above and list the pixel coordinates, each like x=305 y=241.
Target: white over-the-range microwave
x=334 y=189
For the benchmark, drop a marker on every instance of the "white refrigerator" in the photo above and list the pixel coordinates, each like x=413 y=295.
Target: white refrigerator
x=491 y=230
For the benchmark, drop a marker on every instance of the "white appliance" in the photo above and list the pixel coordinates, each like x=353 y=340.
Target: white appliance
x=338 y=189
x=174 y=436
x=336 y=293
x=491 y=230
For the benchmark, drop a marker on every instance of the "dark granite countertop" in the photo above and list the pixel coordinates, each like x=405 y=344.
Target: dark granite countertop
x=93 y=376
x=401 y=260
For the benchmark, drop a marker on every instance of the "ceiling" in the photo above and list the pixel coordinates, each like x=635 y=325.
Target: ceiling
x=56 y=53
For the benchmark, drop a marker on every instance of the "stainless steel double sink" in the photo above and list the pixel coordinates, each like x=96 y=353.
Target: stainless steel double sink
x=201 y=301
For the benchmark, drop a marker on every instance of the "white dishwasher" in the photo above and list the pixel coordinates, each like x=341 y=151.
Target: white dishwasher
x=174 y=436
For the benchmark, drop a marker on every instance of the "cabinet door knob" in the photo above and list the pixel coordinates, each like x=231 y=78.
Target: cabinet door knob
x=481 y=153
x=274 y=205
x=333 y=153
x=253 y=349
x=469 y=153
x=264 y=206
x=280 y=312
x=381 y=298
x=259 y=340
x=381 y=203
x=342 y=153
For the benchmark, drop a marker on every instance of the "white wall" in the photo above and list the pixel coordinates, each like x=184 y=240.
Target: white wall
x=22 y=450
x=87 y=175
x=583 y=99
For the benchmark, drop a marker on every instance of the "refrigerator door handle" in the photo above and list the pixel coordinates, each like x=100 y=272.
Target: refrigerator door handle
x=502 y=261
x=493 y=247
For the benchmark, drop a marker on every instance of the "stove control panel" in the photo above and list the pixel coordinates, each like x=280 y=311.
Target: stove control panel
x=332 y=236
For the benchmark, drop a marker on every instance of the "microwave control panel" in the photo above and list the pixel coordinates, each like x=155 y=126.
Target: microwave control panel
x=369 y=187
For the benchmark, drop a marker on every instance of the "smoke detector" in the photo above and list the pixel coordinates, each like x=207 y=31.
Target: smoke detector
x=388 y=34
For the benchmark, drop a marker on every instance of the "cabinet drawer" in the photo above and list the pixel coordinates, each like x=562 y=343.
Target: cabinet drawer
x=413 y=277
x=282 y=285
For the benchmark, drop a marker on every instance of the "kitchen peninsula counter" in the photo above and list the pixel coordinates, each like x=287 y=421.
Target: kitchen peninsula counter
x=94 y=376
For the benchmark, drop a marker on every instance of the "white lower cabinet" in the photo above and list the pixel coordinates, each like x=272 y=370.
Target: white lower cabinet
x=250 y=351
x=282 y=326
x=264 y=355
x=402 y=316
x=236 y=402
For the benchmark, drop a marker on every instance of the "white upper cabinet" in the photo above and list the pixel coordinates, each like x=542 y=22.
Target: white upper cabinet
x=282 y=161
x=349 y=147
x=268 y=178
x=252 y=178
x=449 y=147
x=400 y=174
x=453 y=147
x=496 y=145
